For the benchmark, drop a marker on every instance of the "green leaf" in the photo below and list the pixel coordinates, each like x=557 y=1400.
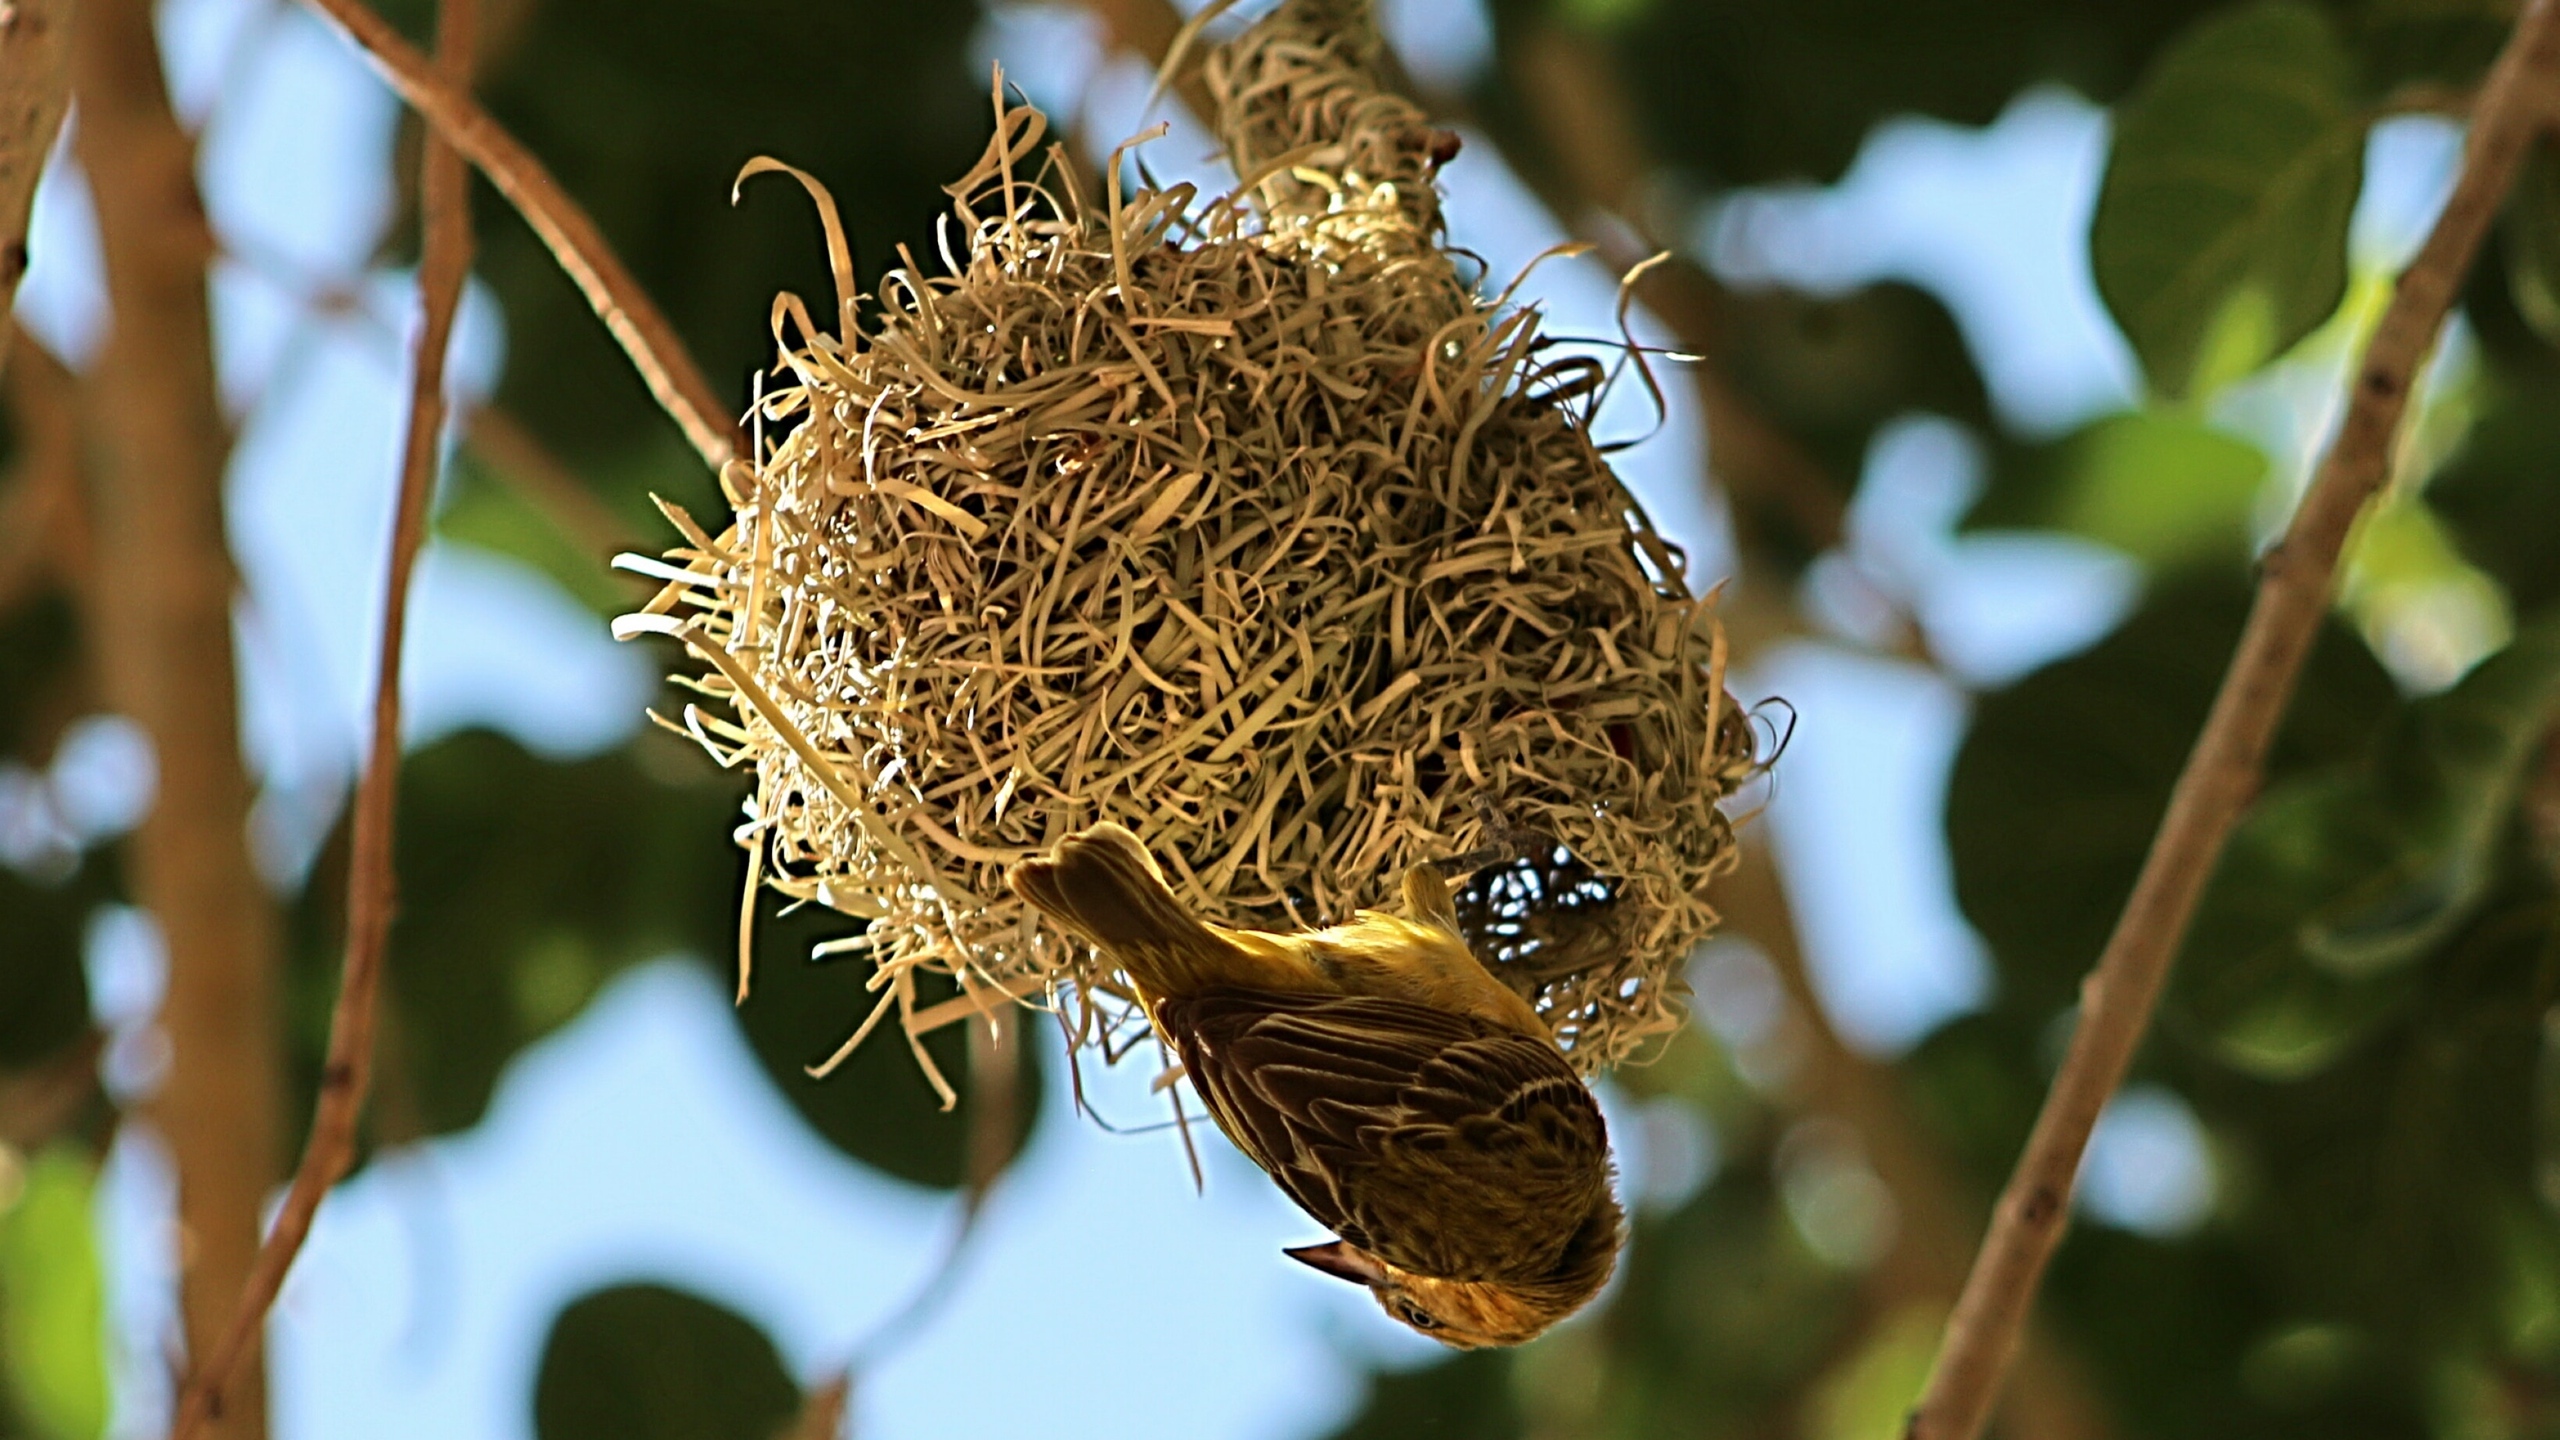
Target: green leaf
x=1871 y=1391
x=524 y=885
x=2437 y=42
x=2496 y=492
x=2445 y=791
x=646 y=1362
x=2062 y=778
x=2335 y=881
x=1466 y=1397
x=484 y=511
x=1743 y=92
x=527 y=884
x=2533 y=241
x=876 y=1106
x=2161 y=485
x=645 y=109
x=2221 y=228
x=53 y=1306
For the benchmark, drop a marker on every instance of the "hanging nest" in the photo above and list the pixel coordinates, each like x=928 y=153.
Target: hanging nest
x=1244 y=522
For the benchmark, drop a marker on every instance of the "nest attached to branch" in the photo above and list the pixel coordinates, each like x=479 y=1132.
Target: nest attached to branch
x=1245 y=522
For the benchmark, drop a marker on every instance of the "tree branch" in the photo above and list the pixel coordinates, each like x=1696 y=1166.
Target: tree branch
x=2224 y=770
x=664 y=365
x=444 y=263
x=161 y=607
x=35 y=88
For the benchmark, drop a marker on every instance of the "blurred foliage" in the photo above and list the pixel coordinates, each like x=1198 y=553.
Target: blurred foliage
x=2362 y=1020
x=1831 y=370
x=2062 y=777
x=44 y=992
x=2158 y=484
x=2339 y=882
x=526 y=884
x=646 y=122
x=482 y=509
x=46 y=897
x=2497 y=495
x=646 y=1362
x=53 y=1303
x=2221 y=232
x=1467 y=1398
x=1737 y=93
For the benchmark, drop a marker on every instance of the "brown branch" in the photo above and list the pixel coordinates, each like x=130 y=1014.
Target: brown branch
x=445 y=262
x=35 y=88
x=822 y=1410
x=573 y=239
x=160 y=606
x=2223 y=772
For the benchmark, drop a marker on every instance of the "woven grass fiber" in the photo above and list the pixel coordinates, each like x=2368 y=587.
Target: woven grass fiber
x=1244 y=521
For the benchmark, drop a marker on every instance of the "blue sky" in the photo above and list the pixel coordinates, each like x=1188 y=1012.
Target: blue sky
x=1104 y=1297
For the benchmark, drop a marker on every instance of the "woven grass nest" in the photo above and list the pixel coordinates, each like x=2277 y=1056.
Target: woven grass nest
x=1243 y=521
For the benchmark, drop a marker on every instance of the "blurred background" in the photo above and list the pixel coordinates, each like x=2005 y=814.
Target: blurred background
x=2019 y=325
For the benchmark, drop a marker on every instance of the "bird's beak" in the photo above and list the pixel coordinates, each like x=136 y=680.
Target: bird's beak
x=1342 y=1260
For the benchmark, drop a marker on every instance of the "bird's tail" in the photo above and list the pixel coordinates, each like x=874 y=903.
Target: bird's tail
x=1104 y=885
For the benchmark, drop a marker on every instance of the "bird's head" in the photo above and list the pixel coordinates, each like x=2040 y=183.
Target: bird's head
x=1463 y=1314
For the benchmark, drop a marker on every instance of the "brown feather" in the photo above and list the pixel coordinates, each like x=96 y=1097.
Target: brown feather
x=1438 y=1143
x=1392 y=1086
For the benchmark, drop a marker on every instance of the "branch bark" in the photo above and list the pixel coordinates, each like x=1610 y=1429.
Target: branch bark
x=2223 y=772
x=673 y=378
x=35 y=88
x=162 y=610
x=346 y=1074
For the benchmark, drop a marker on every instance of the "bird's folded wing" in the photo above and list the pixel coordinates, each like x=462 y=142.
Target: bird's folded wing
x=1435 y=1141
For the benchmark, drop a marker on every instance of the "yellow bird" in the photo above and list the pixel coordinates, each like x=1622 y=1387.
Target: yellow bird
x=1405 y=1098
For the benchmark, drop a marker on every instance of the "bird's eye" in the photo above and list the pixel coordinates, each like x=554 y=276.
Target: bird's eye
x=1419 y=1318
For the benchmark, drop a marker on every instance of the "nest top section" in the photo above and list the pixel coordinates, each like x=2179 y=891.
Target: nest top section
x=1243 y=522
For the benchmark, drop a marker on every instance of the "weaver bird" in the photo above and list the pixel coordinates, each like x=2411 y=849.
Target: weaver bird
x=1405 y=1098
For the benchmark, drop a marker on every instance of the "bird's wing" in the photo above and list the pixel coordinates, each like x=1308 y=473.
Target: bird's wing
x=1435 y=1141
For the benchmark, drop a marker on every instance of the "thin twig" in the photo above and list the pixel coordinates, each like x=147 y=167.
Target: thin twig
x=673 y=378
x=2223 y=772
x=35 y=88
x=444 y=263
